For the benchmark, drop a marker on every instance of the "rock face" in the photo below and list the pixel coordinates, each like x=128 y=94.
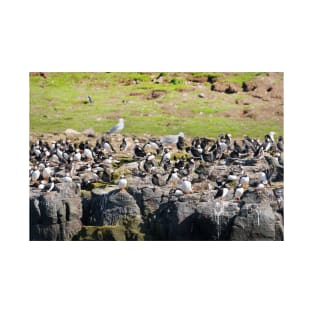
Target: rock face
x=151 y=213
x=115 y=214
x=257 y=219
x=55 y=215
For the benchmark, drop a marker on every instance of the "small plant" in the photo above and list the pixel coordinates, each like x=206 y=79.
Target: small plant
x=177 y=81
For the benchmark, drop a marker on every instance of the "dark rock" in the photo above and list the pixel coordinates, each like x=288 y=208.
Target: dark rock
x=157 y=94
x=257 y=220
x=89 y=132
x=55 y=215
x=224 y=87
x=116 y=210
x=188 y=219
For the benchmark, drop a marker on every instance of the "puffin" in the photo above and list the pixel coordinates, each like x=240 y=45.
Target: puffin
x=166 y=156
x=122 y=183
x=149 y=163
x=244 y=180
x=89 y=99
x=151 y=145
x=35 y=174
x=46 y=172
x=48 y=186
x=238 y=192
x=222 y=191
x=180 y=143
x=173 y=177
x=107 y=146
x=156 y=179
x=77 y=156
x=195 y=152
x=280 y=144
x=139 y=152
x=88 y=154
x=186 y=186
x=260 y=188
x=123 y=145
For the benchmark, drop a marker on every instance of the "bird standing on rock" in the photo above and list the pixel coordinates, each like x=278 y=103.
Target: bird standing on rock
x=166 y=156
x=238 y=192
x=122 y=183
x=186 y=186
x=123 y=145
x=173 y=177
x=139 y=152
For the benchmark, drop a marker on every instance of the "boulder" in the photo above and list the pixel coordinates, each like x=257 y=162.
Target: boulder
x=71 y=132
x=89 y=132
x=55 y=215
x=224 y=87
x=257 y=220
x=112 y=212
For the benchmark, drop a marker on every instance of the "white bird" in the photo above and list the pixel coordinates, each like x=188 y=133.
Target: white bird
x=239 y=192
x=232 y=177
x=107 y=147
x=186 y=186
x=118 y=127
x=54 y=159
x=262 y=177
x=88 y=154
x=77 y=156
x=35 y=175
x=46 y=173
x=260 y=188
x=122 y=183
x=244 y=181
x=171 y=139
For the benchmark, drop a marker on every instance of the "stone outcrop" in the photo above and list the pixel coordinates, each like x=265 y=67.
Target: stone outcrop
x=55 y=215
x=111 y=215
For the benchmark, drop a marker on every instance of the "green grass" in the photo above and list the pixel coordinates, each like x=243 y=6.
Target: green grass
x=59 y=102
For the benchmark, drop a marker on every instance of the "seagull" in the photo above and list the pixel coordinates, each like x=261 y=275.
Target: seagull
x=89 y=99
x=171 y=139
x=122 y=183
x=118 y=127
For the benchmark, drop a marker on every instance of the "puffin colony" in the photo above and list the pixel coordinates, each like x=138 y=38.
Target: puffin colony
x=171 y=160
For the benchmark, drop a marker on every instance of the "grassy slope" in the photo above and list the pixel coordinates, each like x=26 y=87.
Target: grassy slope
x=57 y=103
